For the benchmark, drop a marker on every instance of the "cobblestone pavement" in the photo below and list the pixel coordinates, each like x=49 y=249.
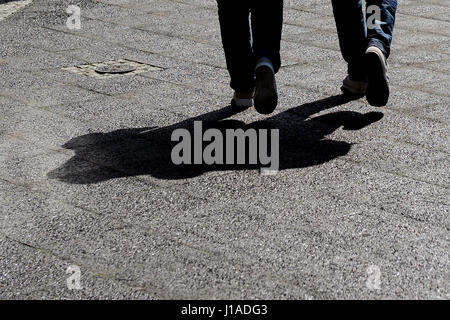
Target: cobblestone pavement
x=359 y=209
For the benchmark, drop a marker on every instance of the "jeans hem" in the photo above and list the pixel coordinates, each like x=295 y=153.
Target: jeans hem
x=380 y=45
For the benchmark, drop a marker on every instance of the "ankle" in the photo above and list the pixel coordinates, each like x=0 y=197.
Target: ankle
x=357 y=72
x=243 y=95
x=358 y=77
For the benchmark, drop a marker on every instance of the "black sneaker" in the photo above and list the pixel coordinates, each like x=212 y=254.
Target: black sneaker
x=266 y=96
x=377 y=93
x=242 y=100
x=354 y=89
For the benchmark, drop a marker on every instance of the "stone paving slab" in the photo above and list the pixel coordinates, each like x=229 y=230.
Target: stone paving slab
x=39 y=275
x=86 y=177
x=8 y=8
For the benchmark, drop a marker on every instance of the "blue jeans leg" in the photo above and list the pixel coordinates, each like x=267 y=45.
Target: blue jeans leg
x=381 y=36
x=355 y=37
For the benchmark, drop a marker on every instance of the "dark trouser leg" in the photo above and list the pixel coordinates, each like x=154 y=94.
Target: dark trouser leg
x=351 y=29
x=267 y=25
x=381 y=35
x=355 y=36
x=235 y=30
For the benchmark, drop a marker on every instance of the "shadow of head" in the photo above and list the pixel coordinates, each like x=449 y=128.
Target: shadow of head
x=147 y=151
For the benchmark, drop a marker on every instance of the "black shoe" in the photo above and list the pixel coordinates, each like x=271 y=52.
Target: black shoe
x=353 y=89
x=242 y=100
x=266 y=96
x=377 y=93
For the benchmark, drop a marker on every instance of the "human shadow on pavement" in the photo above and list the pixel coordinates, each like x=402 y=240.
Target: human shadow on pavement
x=147 y=151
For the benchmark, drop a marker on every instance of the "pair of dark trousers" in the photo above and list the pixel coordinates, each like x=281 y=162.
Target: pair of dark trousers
x=246 y=42
x=356 y=35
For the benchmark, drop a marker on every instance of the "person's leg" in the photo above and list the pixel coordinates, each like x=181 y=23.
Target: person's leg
x=235 y=31
x=351 y=29
x=380 y=25
x=267 y=24
x=381 y=20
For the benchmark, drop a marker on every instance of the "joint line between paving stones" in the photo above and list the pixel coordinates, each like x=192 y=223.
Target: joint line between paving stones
x=213 y=253
x=96 y=273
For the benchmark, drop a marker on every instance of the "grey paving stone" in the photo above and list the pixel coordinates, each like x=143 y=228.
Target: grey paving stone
x=51 y=95
x=415 y=23
x=102 y=51
x=23 y=162
x=118 y=85
x=107 y=10
x=30 y=273
x=417 y=78
x=15 y=78
x=427 y=10
x=209 y=78
x=421 y=57
x=440 y=66
x=293 y=32
x=306 y=75
x=28 y=121
x=84 y=247
x=151 y=6
x=39 y=59
x=196 y=52
x=408 y=98
x=172 y=94
x=439 y=87
x=297 y=17
x=420 y=39
x=434 y=111
x=170 y=26
x=404 y=159
x=51 y=40
x=109 y=114
x=349 y=262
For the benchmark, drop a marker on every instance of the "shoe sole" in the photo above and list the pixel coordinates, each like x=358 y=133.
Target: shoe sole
x=352 y=95
x=266 y=97
x=234 y=105
x=377 y=93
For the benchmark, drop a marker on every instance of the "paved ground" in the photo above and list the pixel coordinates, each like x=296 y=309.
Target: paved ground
x=86 y=180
